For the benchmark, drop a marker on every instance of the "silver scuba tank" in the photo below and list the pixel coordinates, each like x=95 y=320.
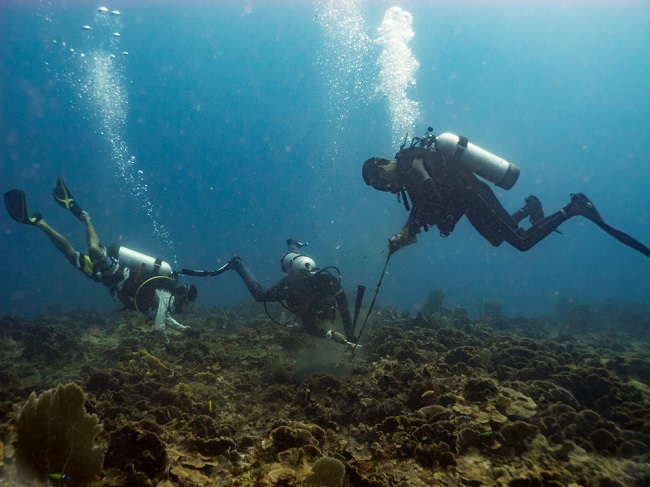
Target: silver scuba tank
x=136 y=260
x=296 y=264
x=502 y=173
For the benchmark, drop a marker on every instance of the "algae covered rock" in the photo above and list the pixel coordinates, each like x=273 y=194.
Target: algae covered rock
x=55 y=435
x=519 y=434
x=141 y=450
x=326 y=471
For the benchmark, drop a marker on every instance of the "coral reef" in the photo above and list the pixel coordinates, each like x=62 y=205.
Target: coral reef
x=432 y=399
x=327 y=472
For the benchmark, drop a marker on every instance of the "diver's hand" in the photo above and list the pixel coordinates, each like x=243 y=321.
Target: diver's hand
x=397 y=242
x=337 y=337
x=295 y=326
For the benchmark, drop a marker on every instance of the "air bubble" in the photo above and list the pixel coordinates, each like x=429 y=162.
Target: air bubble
x=397 y=67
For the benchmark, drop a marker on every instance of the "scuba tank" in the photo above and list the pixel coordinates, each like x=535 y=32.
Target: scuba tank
x=136 y=260
x=502 y=173
x=296 y=264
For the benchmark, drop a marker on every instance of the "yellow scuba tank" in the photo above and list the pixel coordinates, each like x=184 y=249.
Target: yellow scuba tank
x=502 y=173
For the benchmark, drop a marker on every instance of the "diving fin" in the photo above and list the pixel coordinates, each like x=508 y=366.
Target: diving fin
x=581 y=205
x=623 y=237
x=17 y=208
x=63 y=197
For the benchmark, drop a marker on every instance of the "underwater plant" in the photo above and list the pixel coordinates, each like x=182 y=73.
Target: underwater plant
x=56 y=437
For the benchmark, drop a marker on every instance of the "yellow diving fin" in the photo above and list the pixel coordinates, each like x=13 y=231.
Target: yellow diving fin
x=63 y=197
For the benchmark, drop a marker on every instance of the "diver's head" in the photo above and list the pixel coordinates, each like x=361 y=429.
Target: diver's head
x=184 y=295
x=296 y=264
x=380 y=174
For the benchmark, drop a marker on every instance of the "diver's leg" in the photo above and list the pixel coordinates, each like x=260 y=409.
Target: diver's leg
x=526 y=239
x=532 y=208
x=519 y=215
x=254 y=287
x=95 y=251
x=494 y=223
x=59 y=241
x=488 y=216
x=580 y=205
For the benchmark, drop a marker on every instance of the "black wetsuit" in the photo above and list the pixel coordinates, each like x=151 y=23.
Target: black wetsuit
x=451 y=191
x=313 y=297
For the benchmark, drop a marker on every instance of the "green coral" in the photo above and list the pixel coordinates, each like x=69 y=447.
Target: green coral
x=55 y=435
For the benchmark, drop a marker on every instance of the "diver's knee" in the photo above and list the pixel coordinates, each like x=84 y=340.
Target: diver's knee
x=96 y=252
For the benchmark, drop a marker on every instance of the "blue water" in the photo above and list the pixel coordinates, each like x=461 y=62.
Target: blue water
x=235 y=137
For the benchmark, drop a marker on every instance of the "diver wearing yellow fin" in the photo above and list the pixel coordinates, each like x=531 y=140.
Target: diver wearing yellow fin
x=141 y=283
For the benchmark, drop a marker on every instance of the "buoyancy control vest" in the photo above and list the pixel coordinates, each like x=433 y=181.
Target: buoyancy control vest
x=145 y=275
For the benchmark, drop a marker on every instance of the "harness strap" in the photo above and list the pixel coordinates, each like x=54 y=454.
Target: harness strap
x=461 y=147
x=404 y=199
x=156 y=266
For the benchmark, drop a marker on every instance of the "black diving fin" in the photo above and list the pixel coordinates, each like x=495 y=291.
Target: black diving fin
x=587 y=210
x=623 y=237
x=17 y=208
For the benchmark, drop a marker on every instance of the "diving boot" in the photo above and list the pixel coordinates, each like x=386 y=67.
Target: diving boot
x=532 y=209
x=16 y=205
x=294 y=245
x=63 y=197
x=234 y=263
x=581 y=205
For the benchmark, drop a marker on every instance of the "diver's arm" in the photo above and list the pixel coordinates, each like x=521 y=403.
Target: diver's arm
x=171 y=321
x=406 y=237
x=163 y=317
x=314 y=330
x=419 y=169
x=162 y=297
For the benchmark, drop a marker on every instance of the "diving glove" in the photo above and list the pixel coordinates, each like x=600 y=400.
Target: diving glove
x=340 y=339
x=399 y=241
x=336 y=336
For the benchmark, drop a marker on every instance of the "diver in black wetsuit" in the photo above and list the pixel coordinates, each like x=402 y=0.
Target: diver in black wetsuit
x=438 y=174
x=311 y=293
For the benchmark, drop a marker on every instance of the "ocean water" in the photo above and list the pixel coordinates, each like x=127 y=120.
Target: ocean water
x=207 y=129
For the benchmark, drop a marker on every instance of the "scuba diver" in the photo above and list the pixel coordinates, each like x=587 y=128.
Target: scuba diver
x=439 y=175
x=141 y=283
x=311 y=293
